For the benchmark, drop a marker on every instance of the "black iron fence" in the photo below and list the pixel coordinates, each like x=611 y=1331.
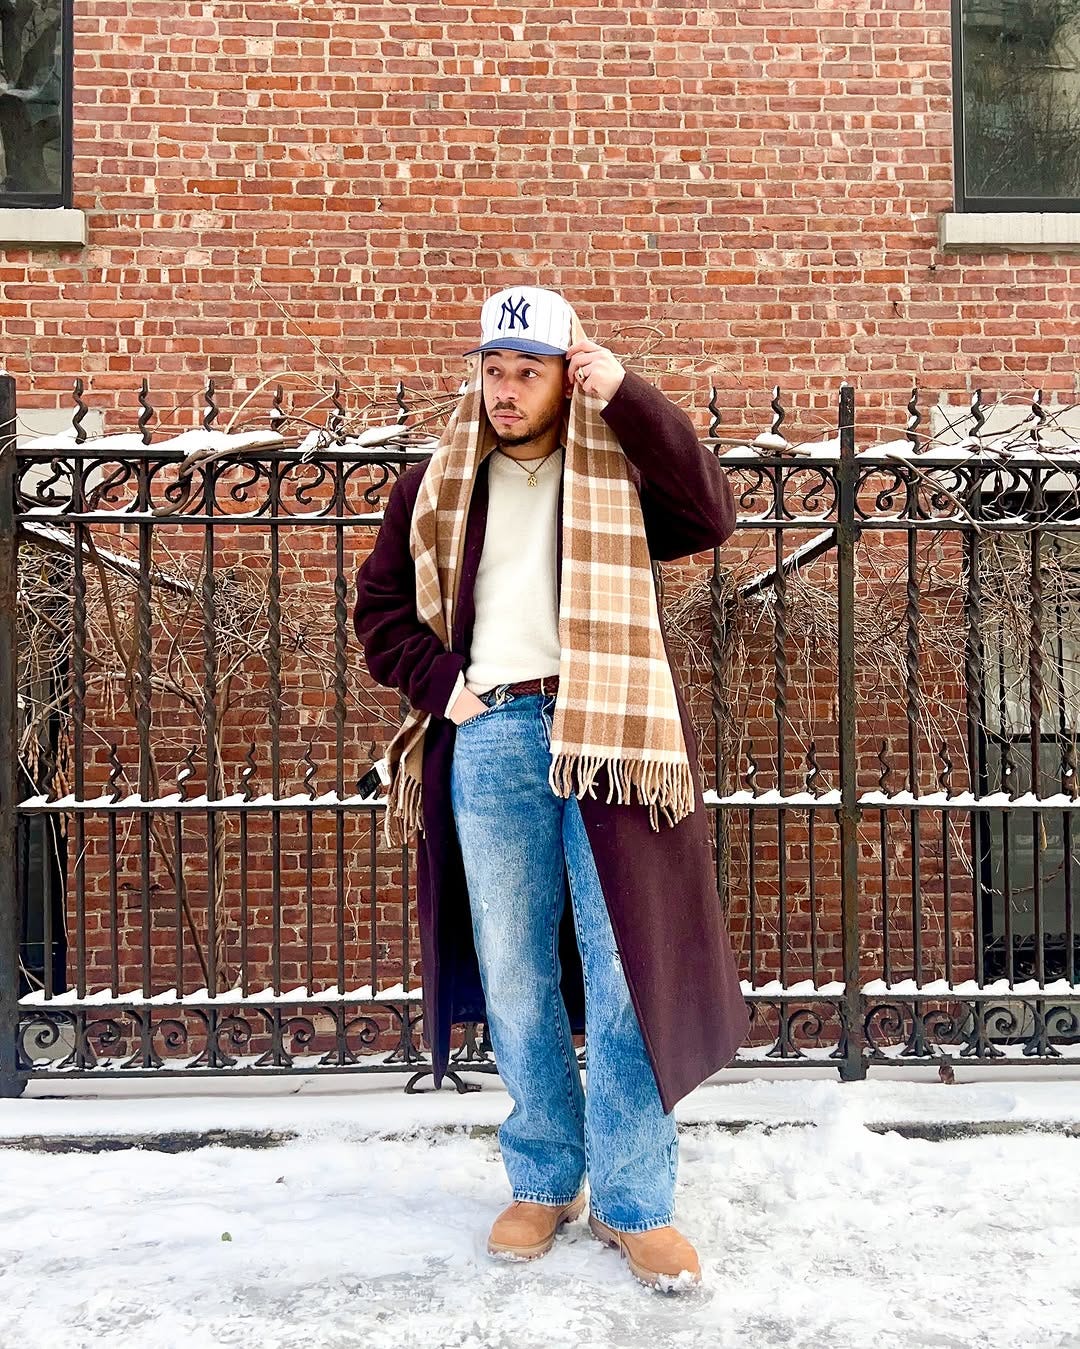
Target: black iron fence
x=882 y=665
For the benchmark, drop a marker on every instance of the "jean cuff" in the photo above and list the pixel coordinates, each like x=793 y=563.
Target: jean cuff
x=646 y=1226
x=544 y=1196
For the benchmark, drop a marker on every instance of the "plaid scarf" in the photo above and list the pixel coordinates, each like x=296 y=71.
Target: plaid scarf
x=615 y=707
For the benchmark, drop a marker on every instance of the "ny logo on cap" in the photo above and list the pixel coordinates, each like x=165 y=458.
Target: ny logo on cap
x=512 y=313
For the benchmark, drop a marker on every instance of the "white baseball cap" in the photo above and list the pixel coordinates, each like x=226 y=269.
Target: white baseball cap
x=524 y=318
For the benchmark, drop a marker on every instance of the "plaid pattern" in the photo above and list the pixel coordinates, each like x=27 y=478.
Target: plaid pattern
x=616 y=705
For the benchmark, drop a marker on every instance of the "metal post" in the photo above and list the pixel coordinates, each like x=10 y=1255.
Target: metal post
x=10 y=1082
x=853 y=1065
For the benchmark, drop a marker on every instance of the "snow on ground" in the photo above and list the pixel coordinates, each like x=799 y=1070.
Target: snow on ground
x=830 y=1237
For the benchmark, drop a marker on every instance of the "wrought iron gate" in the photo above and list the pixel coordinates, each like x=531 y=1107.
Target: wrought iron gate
x=892 y=771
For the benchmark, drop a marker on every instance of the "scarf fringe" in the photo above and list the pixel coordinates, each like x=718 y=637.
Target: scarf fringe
x=667 y=788
x=403 y=806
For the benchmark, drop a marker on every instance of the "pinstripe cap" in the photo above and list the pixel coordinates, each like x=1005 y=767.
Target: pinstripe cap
x=524 y=318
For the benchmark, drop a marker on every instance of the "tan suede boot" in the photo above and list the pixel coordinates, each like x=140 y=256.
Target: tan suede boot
x=527 y=1229
x=661 y=1257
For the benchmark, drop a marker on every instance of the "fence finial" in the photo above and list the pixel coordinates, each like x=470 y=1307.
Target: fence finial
x=813 y=777
x=750 y=776
x=772 y=440
x=211 y=410
x=714 y=411
x=80 y=413
x=277 y=412
x=913 y=417
x=977 y=413
x=1038 y=417
x=312 y=771
x=778 y=411
x=886 y=768
x=185 y=773
x=248 y=772
x=337 y=417
x=146 y=412
x=116 y=772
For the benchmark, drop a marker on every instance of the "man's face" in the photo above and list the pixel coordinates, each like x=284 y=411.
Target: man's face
x=523 y=394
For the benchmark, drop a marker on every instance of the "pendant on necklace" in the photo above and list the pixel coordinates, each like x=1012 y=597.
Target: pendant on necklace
x=532 y=479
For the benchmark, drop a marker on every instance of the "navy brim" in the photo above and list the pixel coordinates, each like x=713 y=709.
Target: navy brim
x=518 y=344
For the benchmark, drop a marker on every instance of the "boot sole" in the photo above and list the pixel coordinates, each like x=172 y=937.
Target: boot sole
x=573 y=1210
x=651 y=1278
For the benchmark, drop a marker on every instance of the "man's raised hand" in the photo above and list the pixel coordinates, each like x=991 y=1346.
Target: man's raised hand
x=594 y=369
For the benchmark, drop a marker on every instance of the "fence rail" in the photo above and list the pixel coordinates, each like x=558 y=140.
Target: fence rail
x=191 y=882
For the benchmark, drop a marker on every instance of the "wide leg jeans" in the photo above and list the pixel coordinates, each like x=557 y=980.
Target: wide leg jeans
x=515 y=833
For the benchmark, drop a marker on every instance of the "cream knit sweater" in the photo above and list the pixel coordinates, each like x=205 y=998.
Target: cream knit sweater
x=516 y=631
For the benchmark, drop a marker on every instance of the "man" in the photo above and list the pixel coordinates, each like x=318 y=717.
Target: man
x=510 y=596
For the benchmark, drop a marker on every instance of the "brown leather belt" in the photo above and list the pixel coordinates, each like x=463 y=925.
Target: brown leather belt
x=547 y=684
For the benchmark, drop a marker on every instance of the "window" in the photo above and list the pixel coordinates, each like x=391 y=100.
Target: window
x=35 y=103
x=1016 y=113
x=1010 y=838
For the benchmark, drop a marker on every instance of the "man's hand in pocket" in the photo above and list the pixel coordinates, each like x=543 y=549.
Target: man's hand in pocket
x=466 y=705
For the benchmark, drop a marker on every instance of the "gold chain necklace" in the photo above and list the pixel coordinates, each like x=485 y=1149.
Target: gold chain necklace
x=532 y=472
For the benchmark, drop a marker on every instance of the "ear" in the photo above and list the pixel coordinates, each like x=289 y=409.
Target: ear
x=568 y=383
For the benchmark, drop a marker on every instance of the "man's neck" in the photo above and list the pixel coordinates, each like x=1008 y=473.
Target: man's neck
x=533 y=449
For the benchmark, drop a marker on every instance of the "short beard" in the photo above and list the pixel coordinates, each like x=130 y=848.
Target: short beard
x=526 y=437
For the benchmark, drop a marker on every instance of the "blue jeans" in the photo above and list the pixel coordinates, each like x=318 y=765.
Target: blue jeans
x=514 y=833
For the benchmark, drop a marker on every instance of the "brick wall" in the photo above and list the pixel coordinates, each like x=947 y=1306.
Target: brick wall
x=729 y=196
x=759 y=186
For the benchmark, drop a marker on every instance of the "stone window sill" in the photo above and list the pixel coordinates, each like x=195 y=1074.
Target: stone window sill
x=42 y=225
x=1034 y=231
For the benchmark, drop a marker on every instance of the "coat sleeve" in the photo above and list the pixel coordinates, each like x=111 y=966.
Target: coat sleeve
x=686 y=500
x=401 y=651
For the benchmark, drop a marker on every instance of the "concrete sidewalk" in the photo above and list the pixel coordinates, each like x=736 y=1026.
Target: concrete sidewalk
x=175 y=1114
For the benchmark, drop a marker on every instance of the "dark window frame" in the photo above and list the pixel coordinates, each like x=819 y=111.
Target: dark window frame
x=962 y=200
x=63 y=198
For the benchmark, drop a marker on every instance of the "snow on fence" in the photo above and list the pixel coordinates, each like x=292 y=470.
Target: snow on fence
x=881 y=666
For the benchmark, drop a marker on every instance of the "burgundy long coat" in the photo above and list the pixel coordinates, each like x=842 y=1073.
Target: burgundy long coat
x=660 y=887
